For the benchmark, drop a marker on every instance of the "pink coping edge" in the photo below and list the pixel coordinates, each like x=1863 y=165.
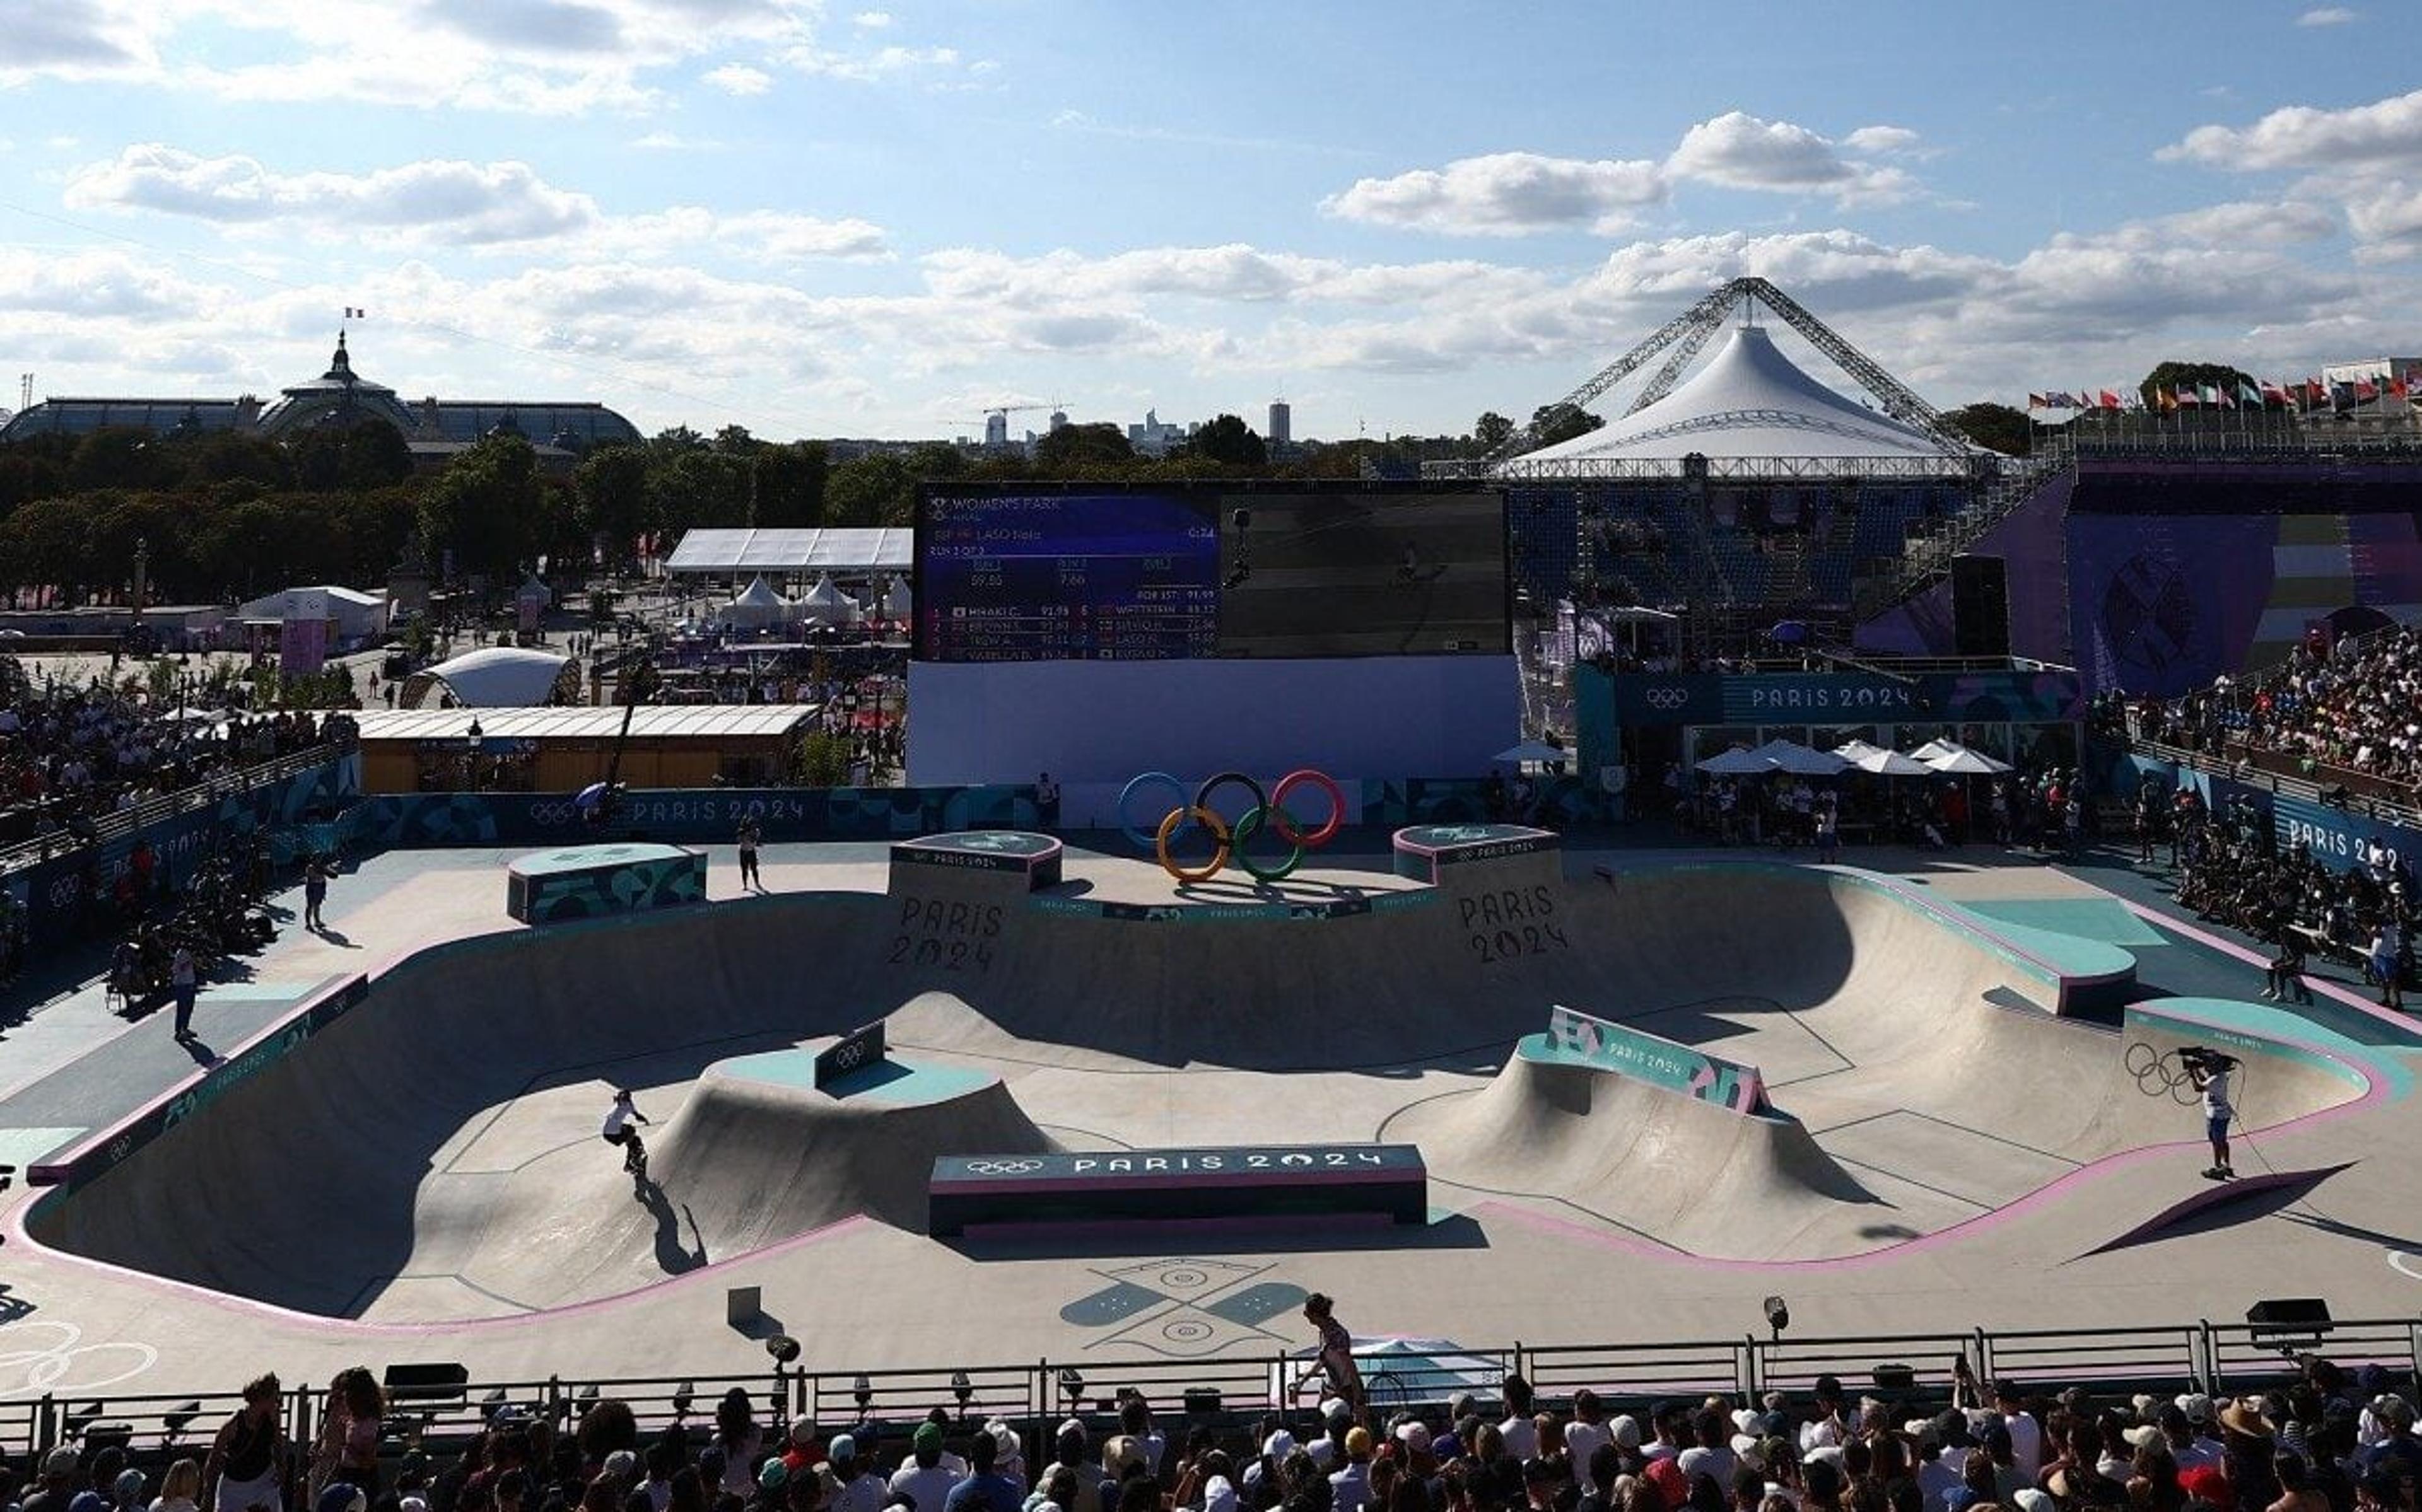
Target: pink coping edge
x=2374 y=1091
x=2204 y=937
x=250 y=1308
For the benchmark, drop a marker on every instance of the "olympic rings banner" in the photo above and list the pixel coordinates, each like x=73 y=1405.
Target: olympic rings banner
x=1266 y=812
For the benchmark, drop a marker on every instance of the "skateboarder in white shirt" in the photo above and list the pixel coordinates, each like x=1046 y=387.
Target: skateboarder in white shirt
x=619 y=1131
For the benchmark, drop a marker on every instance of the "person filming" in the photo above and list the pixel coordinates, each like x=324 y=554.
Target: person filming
x=2211 y=1072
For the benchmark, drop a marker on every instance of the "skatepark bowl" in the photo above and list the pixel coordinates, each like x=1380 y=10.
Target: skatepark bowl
x=433 y=1154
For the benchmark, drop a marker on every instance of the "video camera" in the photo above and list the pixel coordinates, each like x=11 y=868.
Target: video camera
x=2204 y=1059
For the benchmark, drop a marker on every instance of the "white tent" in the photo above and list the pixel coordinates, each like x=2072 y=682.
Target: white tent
x=755 y=605
x=533 y=591
x=357 y=616
x=897 y=602
x=1753 y=403
x=824 y=604
x=494 y=677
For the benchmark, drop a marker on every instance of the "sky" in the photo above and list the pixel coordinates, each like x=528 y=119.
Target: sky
x=882 y=219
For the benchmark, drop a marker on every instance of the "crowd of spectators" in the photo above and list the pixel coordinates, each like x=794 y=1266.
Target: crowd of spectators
x=2350 y=706
x=2233 y=871
x=70 y=755
x=2325 y=1440
x=2047 y=812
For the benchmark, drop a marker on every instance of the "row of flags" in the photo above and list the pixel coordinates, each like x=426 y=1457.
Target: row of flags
x=2312 y=394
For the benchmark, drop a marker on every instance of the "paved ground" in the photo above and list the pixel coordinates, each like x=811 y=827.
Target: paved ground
x=432 y=1158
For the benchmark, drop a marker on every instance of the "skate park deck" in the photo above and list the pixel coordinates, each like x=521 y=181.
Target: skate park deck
x=1347 y=1044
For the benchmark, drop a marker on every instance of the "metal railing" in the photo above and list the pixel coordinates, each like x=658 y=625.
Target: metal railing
x=119 y=825
x=2216 y=1357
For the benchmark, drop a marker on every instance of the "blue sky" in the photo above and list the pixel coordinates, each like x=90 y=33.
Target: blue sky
x=881 y=219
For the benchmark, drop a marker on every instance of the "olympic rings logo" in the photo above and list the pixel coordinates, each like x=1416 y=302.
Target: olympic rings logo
x=1004 y=1167
x=550 y=813
x=1268 y=811
x=1668 y=697
x=25 y=1372
x=2160 y=1073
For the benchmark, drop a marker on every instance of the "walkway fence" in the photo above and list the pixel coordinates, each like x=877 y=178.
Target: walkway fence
x=121 y=826
x=438 y=1406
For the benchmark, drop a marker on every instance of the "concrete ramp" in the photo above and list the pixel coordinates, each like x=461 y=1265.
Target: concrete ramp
x=1686 y=1172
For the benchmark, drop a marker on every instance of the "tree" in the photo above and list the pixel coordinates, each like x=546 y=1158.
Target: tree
x=1552 y=422
x=791 y=483
x=367 y=453
x=1069 y=448
x=2173 y=374
x=1490 y=432
x=1997 y=426
x=876 y=489
x=118 y=457
x=484 y=507
x=1226 y=439
x=609 y=490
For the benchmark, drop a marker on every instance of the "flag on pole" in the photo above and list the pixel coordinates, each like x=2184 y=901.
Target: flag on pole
x=2035 y=401
x=2248 y=394
x=352 y=314
x=2273 y=394
x=2316 y=394
x=2399 y=388
x=2109 y=398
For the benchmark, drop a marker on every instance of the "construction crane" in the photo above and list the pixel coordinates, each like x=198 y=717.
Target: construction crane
x=1689 y=331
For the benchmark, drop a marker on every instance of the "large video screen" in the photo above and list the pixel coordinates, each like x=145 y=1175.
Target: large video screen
x=1005 y=574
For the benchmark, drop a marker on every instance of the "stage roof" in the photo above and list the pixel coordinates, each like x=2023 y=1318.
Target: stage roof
x=648 y=722
x=794 y=551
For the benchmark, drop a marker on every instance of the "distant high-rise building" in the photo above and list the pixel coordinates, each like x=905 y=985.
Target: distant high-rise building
x=1059 y=419
x=997 y=429
x=1280 y=431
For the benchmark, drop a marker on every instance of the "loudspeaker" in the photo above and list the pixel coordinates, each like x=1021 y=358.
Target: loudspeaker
x=1980 y=606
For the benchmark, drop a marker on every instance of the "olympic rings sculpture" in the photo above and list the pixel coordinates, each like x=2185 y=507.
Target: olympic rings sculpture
x=1267 y=812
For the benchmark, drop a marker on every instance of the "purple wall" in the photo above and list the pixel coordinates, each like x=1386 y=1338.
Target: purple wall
x=2031 y=543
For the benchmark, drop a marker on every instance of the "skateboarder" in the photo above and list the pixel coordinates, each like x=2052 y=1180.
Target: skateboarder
x=2209 y=1072
x=1335 y=1360
x=619 y=1130
x=750 y=834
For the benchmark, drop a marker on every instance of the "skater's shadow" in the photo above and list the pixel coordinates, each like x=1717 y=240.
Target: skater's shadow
x=203 y=1053
x=671 y=1258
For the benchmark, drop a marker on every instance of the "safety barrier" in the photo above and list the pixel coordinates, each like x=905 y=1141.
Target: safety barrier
x=2219 y=1359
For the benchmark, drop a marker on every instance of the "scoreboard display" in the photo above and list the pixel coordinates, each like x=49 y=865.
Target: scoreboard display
x=1174 y=572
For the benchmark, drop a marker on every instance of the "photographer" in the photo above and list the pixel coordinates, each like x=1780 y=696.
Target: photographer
x=2211 y=1070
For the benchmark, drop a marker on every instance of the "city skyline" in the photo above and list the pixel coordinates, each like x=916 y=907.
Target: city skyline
x=811 y=220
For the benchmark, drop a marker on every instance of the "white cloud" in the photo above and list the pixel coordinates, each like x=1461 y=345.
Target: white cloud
x=1505 y=194
x=738 y=79
x=751 y=236
x=871 y=20
x=675 y=142
x=2328 y=16
x=453 y=201
x=72 y=38
x=2387 y=133
x=1744 y=151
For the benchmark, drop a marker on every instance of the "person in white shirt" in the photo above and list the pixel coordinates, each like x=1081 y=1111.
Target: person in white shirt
x=1587 y=1429
x=619 y=1131
x=1520 y=1434
x=2026 y=1437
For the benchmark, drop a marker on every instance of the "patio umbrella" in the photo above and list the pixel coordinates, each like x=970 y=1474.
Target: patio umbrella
x=1851 y=751
x=1799 y=760
x=1958 y=761
x=1934 y=748
x=1736 y=763
x=1533 y=751
x=1892 y=764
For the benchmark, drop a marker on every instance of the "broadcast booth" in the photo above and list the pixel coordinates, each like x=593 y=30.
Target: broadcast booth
x=1096 y=632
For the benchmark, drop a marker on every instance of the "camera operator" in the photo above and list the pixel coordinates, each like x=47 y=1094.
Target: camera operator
x=2211 y=1070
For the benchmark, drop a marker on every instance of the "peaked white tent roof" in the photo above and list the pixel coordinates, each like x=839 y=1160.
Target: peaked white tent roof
x=756 y=605
x=826 y=605
x=1750 y=402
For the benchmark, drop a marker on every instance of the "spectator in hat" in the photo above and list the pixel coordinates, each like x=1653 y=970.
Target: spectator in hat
x=2397 y=1451
x=57 y=1484
x=1068 y=1453
x=851 y=1485
x=922 y=1474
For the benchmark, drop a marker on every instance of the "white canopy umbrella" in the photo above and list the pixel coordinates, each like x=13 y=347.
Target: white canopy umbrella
x=1932 y=749
x=1958 y=761
x=1736 y=763
x=1883 y=763
x=1533 y=751
x=1851 y=751
x=1799 y=760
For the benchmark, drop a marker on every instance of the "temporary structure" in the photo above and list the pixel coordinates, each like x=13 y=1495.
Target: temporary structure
x=1883 y=763
x=1737 y=762
x=755 y=606
x=1533 y=751
x=824 y=604
x=494 y=677
x=897 y=602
